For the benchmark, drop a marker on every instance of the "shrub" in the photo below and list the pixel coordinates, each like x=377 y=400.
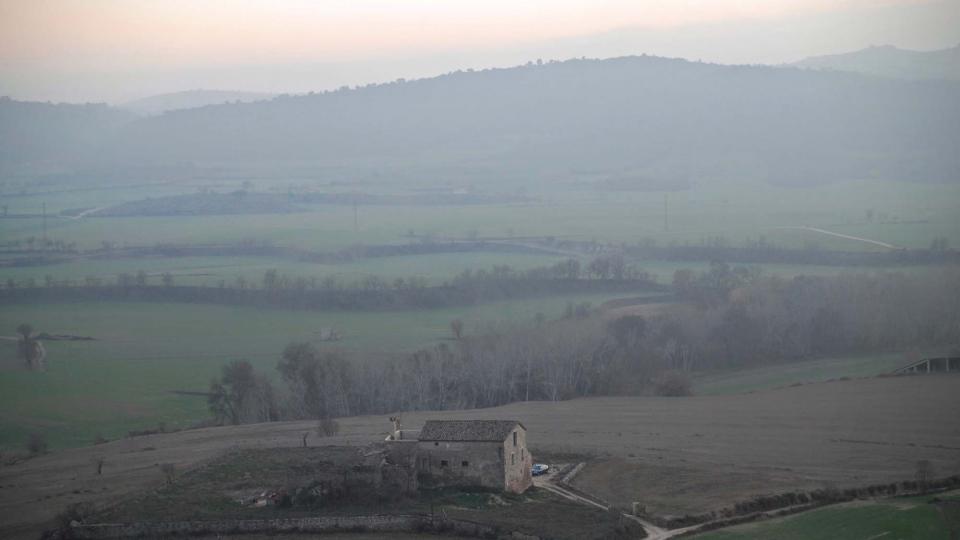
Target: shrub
x=74 y=512
x=36 y=444
x=169 y=471
x=328 y=427
x=673 y=384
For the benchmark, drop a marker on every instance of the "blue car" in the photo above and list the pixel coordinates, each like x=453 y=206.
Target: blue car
x=539 y=469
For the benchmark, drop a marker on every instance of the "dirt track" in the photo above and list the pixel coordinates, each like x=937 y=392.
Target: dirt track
x=845 y=236
x=673 y=454
x=550 y=483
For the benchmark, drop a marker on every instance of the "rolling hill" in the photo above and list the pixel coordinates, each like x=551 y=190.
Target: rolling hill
x=889 y=61
x=40 y=134
x=190 y=99
x=634 y=116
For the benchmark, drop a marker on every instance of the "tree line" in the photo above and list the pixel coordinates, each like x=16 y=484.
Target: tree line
x=603 y=274
x=713 y=248
x=760 y=250
x=733 y=319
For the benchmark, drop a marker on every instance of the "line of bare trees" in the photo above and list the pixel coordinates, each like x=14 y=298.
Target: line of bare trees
x=736 y=319
x=30 y=349
x=604 y=274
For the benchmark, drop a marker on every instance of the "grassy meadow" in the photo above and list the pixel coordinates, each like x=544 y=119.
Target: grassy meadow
x=142 y=351
x=914 y=518
x=908 y=215
x=825 y=369
x=209 y=271
x=123 y=380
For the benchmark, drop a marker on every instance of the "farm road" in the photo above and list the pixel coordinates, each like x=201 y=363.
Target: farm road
x=845 y=236
x=87 y=212
x=549 y=482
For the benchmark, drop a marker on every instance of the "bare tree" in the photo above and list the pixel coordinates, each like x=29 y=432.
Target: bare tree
x=241 y=395
x=169 y=471
x=456 y=326
x=29 y=347
x=319 y=382
x=25 y=330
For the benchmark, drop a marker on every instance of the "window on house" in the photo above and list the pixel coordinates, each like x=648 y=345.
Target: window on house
x=513 y=458
x=443 y=463
x=514 y=438
x=464 y=463
x=523 y=454
x=500 y=454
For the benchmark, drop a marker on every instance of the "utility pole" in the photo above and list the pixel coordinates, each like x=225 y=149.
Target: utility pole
x=356 y=217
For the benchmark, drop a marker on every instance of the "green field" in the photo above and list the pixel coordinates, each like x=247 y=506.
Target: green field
x=435 y=268
x=911 y=214
x=209 y=271
x=902 y=519
x=122 y=380
x=142 y=351
x=769 y=377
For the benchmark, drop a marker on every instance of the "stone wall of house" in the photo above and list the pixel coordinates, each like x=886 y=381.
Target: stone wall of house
x=383 y=523
x=517 y=462
x=454 y=463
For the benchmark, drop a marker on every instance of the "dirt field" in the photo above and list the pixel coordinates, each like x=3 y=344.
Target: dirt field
x=712 y=451
x=673 y=454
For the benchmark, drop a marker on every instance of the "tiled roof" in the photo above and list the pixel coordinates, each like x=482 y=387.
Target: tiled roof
x=467 y=430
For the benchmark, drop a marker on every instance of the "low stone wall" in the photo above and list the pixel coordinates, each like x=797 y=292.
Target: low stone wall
x=326 y=524
x=231 y=526
x=801 y=502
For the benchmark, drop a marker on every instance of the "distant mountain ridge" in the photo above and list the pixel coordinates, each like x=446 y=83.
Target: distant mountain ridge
x=889 y=61
x=631 y=117
x=190 y=99
x=54 y=133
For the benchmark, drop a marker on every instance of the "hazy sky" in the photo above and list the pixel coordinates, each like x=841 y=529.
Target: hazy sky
x=114 y=50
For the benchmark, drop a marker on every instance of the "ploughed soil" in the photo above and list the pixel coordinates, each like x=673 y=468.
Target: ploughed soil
x=710 y=452
x=676 y=455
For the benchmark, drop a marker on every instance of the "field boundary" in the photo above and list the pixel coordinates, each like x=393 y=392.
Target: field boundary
x=324 y=524
x=13 y=257
x=338 y=299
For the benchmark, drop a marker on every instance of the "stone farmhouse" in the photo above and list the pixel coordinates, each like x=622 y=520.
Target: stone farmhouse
x=469 y=453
